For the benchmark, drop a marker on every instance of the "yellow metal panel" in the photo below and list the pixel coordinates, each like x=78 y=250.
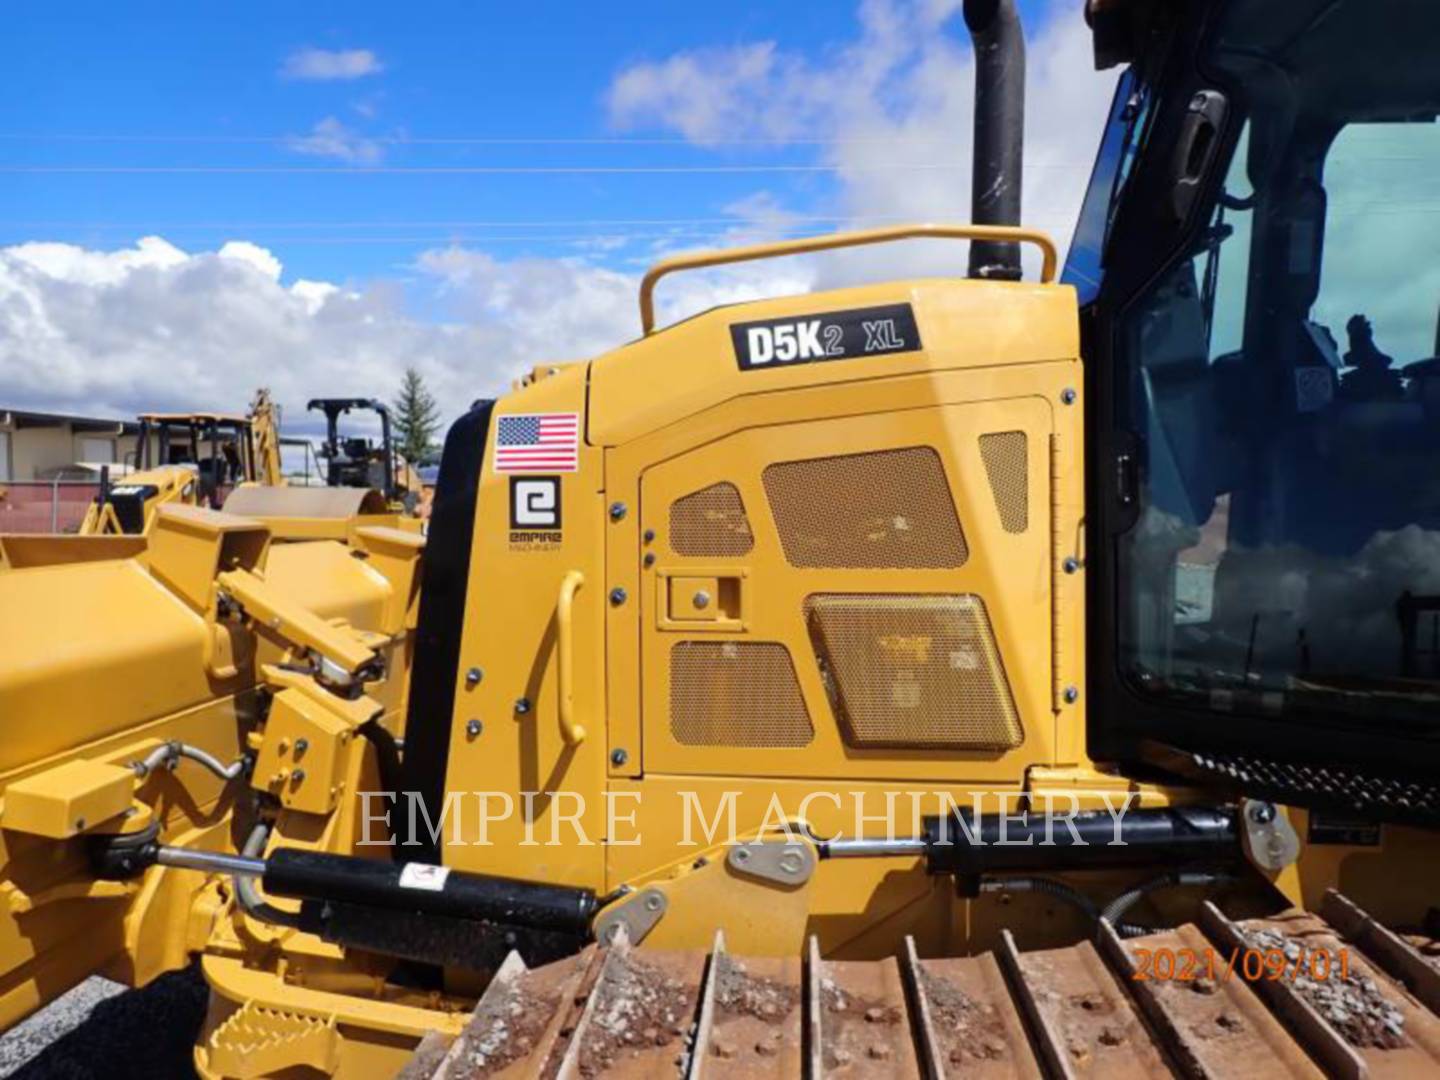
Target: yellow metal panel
x=690 y=367
x=302 y=759
x=91 y=650
x=683 y=818
x=18 y=550
x=188 y=545
x=68 y=799
x=1010 y=572
x=510 y=638
x=327 y=578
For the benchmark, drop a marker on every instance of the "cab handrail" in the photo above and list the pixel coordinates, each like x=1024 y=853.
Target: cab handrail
x=857 y=238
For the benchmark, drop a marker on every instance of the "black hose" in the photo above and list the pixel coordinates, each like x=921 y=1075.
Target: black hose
x=1116 y=909
x=1046 y=887
x=248 y=896
x=1076 y=899
x=387 y=763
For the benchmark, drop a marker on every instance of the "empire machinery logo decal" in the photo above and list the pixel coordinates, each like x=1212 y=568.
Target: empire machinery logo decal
x=538 y=443
x=534 y=511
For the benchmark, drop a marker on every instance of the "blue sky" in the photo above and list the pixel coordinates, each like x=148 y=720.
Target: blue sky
x=333 y=228
x=195 y=72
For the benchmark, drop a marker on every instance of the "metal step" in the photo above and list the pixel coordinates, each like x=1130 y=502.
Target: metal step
x=1173 y=1002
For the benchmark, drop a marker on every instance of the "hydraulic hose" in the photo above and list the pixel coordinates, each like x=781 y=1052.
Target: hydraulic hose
x=248 y=896
x=1082 y=903
x=387 y=762
x=1116 y=909
x=170 y=753
x=1046 y=887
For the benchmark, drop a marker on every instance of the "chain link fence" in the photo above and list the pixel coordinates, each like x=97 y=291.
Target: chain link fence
x=43 y=506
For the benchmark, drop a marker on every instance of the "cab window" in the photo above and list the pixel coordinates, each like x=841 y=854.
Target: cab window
x=1283 y=381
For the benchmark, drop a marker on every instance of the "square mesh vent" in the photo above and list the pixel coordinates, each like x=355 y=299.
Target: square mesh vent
x=889 y=509
x=710 y=523
x=908 y=672
x=1007 y=466
x=736 y=693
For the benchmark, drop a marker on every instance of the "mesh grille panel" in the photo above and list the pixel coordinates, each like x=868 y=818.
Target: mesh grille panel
x=885 y=510
x=736 y=693
x=710 y=522
x=913 y=671
x=1004 y=454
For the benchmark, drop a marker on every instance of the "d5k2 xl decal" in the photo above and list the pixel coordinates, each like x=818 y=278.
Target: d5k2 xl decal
x=836 y=335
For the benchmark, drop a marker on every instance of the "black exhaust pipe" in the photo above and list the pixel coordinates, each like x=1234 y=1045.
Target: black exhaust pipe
x=999 y=132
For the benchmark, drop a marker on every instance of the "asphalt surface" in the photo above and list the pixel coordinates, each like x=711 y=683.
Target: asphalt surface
x=101 y=1031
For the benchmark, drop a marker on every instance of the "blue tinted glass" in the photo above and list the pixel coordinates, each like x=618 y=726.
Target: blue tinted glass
x=1282 y=383
x=1084 y=264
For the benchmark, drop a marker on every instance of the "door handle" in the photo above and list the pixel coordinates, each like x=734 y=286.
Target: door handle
x=702 y=599
x=573 y=733
x=1195 y=149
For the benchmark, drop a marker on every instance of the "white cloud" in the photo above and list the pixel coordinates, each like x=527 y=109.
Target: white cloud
x=901 y=92
x=326 y=65
x=113 y=332
x=709 y=94
x=330 y=138
x=252 y=255
x=155 y=326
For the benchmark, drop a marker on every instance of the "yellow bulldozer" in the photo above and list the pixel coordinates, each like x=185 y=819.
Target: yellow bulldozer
x=967 y=676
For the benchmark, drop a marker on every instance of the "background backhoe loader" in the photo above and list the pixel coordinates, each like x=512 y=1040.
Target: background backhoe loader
x=959 y=676
x=192 y=459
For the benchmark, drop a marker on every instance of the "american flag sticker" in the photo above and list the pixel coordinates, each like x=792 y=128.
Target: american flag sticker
x=538 y=442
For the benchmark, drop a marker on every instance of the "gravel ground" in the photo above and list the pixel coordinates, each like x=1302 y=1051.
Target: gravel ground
x=101 y=1031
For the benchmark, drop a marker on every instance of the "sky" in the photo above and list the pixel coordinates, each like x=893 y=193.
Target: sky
x=197 y=200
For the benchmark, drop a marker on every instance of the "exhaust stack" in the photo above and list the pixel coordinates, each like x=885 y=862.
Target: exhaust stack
x=999 y=132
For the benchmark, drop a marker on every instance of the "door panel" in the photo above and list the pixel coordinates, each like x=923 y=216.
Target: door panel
x=863 y=597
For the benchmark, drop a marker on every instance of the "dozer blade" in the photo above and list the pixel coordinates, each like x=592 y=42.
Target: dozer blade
x=1086 y=1010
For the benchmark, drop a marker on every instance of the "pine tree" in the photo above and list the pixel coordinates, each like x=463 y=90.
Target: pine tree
x=416 y=418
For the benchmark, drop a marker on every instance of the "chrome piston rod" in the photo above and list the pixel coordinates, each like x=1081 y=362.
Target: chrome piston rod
x=211 y=862
x=861 y=848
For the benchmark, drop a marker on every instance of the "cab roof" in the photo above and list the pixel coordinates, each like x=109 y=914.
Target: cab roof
x=195 y=418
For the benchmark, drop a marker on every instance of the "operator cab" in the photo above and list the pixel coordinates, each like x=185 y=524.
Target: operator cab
x=1257 y=258
x=219 y=447
x=357 y=461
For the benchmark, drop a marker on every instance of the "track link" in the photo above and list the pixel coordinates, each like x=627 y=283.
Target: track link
x=1080 y=1011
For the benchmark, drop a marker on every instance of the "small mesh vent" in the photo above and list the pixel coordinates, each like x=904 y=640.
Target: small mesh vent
x=1005 y=459
x=890 y=509
x=710 y=522
x=736 y=693
x=913 y=672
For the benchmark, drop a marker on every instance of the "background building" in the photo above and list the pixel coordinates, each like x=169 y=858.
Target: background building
x=50 y=466
x=36 y=446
